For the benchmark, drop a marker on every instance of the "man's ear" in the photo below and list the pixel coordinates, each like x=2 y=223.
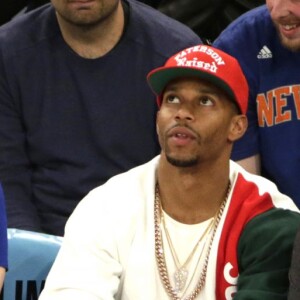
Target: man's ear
x=239 y=124
x=157 y=115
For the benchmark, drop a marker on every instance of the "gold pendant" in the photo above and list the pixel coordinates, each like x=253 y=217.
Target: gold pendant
x=180 y=277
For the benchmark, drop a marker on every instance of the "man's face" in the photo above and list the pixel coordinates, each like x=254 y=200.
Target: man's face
x=193 y=122
x=286 y=17
x=85 y=12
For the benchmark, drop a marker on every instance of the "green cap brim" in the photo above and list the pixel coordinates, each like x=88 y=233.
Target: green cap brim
x=159 y=79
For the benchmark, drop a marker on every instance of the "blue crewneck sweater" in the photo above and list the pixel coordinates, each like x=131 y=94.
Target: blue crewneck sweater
x=67 y=124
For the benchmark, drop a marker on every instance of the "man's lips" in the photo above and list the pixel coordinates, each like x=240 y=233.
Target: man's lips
x=81 y=2
x=288 y=28
x=181 y=133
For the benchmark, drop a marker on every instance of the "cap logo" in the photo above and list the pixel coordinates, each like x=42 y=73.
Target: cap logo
x=206 y=63
x=182 y=60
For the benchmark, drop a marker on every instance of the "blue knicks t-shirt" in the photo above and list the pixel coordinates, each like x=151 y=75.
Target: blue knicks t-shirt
x=274 y=100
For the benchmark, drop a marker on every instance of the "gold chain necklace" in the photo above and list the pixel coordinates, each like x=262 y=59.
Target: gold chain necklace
x=159 y=249
x=181 y=273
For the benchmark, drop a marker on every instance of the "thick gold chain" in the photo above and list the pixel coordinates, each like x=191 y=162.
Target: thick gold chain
x=160 y=256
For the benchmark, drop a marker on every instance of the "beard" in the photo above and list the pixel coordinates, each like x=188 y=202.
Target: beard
x=293 y=45
x=177 y=160
x=182 y=163
x=82 y=20
x=86 y=18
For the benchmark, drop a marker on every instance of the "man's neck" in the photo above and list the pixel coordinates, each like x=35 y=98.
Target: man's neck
x=192 y=195
x=96 y=40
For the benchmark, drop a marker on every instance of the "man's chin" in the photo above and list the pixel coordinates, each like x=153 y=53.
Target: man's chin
x=181 y=162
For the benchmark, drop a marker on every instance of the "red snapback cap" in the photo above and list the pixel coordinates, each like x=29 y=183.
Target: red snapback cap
x=204 y=62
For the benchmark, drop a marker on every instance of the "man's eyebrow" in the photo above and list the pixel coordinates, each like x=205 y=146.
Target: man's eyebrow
x=208 y=90
x=201 y=90
x=171 y=88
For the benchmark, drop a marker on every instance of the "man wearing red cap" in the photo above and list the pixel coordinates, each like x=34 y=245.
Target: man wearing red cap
x=190 y=224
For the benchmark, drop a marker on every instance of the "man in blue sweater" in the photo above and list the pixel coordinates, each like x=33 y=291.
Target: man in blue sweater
x=266 y=42
x=73 y=101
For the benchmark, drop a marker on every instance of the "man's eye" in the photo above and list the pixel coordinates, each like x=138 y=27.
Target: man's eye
x=206 y=101
x=172 y=99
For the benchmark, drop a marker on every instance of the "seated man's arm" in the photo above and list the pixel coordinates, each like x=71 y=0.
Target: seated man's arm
x=15 y=164
x=251 y=164
x=294 y=275
x=2 y=276
x=264 y=255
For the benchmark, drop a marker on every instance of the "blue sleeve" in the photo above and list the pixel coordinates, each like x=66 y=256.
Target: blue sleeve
x=235 y=41
x=3 y=232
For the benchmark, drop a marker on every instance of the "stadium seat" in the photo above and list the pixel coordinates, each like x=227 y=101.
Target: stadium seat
x=30 y=257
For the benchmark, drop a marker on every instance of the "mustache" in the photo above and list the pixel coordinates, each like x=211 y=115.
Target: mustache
x=183 y=126
x=287 y=20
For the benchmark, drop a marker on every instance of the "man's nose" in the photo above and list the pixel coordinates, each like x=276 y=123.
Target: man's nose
x=185 y=112
x=279 y=8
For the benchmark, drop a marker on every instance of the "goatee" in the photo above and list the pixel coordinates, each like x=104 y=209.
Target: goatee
x=182 y=163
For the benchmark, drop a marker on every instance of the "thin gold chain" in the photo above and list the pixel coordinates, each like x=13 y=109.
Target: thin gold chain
x=174 y=255
x=181 y=274
x=159 y=249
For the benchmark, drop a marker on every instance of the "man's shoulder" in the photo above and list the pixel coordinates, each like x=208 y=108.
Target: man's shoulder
x=27 y=29
x=164 y=33
x=249 y=31
x=138 y=174
x=257 y=192
x=255 y=20
x=277 y=222
x=128 y=191
x=139 y=177
x=151 y=16
x=280 y=212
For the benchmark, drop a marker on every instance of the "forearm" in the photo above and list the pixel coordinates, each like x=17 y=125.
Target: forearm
x=86 y=266
x=2 y=276
x=251 y=164
x=15 y=165
x=21 y=212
